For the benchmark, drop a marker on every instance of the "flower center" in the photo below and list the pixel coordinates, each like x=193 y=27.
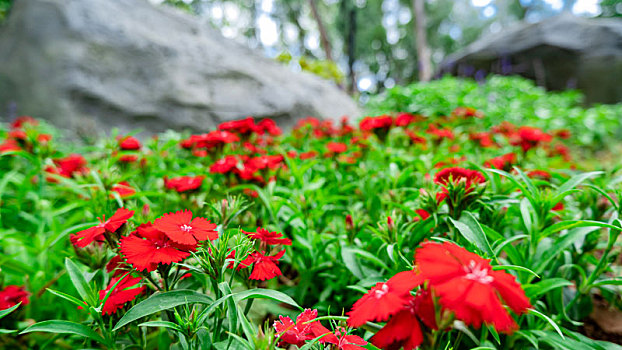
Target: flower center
x=380 y=292
x=186 y=228
x=475 y=272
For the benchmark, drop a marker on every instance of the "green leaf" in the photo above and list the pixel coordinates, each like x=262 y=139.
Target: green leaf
x=572 y=183
x=540 y=288
x=162 y=301
x=67 y=297
x=547 y=319
x=266 y=294
x=568 y=224
x=605 y=282
x=65 y=327
x=516 y=268
x=163 y=324
x=79 y=282
x=471 y=230
x=5 y=312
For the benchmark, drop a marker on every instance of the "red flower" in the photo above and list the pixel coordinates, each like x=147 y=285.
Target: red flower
x=262 y=162
x=128 y=143
x=467 y=285
x=340 y=338
x=147 y=247
x=184 y=183
x=9 y=145
x=336 y=147
x=95 y=233
x=11 y=295
x=307 y=155
x=23 y=120
x=423 y=214
x=68 y=166
x=440 y=133
x=128 y=158
x=379 y=122
x=503 y=162
x=243 y=126
x=44 y=138
x=269 y=126
x=558 y=207
x=563 y=133
x=464 y=112
x=181 y=228
x=541 y=174
x=384 y=299
x=17 y=134
x=224 y=165
x=414 y=138
x=267 y=237
x=296 y=333
x=528 y=137
x=402 y=330
x=121 y=294
x=123 y=188
x=484 y=138
x=115 y=264
x=405 y=119
x=470 y=177
x=265 y=266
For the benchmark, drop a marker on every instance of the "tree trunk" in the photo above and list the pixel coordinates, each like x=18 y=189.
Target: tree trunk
x=352 y=88
x=423 y=50
x=323 y=34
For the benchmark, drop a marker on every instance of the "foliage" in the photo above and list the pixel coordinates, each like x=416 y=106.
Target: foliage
x=513 y=99
x=354 y=201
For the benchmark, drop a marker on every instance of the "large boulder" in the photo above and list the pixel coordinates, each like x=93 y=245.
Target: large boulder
x=558 y=53
x=97 y=64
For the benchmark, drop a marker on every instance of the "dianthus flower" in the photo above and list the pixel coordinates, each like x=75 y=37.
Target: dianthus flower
x=128 y=143
x=68 y=166
x=96 y=233
x=242 y=126
x=267 y=237
x=470 y=177
x=528 y=137
x=24 y=120
x=379 y=122
x=440 y=133
x=463 y=112
x=184 y=183
x=147 y=247
x=404 y=328
x=467 y=285
x=484 y=138
x=11 y=295
x=296 y=333
x=336 y=147
x=307 y=155
x=339 y=338
x=123 y=188
x=181 y=228
x=405 y=119
x=9 y=145
x=265 y=267
x=269 y=126
x=384 y=299
x=539 y=174
x=262 y=162
x=224 y=165
x=414 y=138
x=121 y=295
x=503 y=162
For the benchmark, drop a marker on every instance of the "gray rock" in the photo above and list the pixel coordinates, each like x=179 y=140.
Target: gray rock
x=558 y=53
x=97 y=64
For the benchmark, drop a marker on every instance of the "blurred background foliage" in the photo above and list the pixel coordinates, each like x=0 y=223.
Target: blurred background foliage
x=368 y=46
x=372 y=42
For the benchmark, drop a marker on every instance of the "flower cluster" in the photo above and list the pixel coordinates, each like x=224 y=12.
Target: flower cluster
x=453 y=284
